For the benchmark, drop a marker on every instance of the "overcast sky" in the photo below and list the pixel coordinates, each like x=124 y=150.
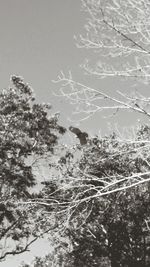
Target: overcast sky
x=37 y=42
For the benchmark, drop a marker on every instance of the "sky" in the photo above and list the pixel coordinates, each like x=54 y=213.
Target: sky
x=36 y=43
x=37 y=40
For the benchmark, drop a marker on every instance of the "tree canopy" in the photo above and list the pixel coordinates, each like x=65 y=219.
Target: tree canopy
x=27 y=132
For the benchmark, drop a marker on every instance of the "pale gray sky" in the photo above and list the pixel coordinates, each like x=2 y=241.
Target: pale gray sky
x=37 y=42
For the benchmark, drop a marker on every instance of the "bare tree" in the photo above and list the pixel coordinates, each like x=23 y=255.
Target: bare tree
x=118 y=32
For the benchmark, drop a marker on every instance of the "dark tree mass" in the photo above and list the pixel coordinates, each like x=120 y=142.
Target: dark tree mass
x=27 y=133
x=93 y=203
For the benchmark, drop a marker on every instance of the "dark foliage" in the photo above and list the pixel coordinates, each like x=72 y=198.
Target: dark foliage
x=27 y=131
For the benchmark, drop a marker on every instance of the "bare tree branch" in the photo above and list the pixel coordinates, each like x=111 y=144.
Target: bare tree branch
x=26 y=248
